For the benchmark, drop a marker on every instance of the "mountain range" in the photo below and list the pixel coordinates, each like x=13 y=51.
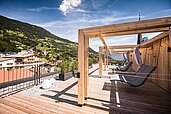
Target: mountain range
x=16 y=36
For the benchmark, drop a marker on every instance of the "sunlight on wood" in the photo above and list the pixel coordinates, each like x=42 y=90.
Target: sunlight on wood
x=117 y=95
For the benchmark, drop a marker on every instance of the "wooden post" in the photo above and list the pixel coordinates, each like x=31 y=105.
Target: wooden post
x=86 y=58
x=105 y=59
x=81 y=67
x=100 y=61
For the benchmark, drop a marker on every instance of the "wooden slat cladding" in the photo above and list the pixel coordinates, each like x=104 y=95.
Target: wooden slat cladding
x=156 y=54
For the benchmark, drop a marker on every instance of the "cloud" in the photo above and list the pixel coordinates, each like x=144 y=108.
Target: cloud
x=68 y=5
x=81 y=10
x=41 y=9
x=95 y=42
x=59 y=24
x=164 y=12
x=68 y=28
x=99 y=3
x=84 y=22
x=107 y=20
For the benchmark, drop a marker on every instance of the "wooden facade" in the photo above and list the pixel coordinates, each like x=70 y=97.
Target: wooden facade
x=137 y=27
x=156 y=52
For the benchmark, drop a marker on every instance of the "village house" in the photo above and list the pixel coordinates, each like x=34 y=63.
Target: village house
x=6 y=62
x=29 y=58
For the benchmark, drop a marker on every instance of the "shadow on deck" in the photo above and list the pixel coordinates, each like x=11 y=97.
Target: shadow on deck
x=105 y=97
x=147 y=98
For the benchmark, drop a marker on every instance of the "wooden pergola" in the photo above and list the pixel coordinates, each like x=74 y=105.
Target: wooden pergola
x=122 y=49
x=137 y=27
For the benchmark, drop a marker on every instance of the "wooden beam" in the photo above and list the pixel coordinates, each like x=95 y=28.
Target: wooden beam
x=119 y=52
x=108 y=34
x=103 y=40
x=100 y=61
x=130 y=26
x=92 y=35
x=122 y=46
x=104 y=43
x=123 y=49
x=81 y=67
x=158 y=37
x=135 y=32
x=86 y=56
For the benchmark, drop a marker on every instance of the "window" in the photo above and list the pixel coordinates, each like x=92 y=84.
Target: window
x=0 y=64
x=9 y=63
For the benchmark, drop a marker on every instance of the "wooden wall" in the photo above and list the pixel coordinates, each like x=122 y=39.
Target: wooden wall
x=156 y=54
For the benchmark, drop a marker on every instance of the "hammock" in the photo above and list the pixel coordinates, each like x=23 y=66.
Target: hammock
x=136 y=79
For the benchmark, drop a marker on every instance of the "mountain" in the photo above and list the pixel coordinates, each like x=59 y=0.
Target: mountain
x=16 y=36
x=31 y=31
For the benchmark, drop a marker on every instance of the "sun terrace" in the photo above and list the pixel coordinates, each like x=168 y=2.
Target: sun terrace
x=99 y=91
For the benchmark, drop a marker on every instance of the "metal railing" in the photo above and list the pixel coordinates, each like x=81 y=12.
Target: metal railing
x=20 y=77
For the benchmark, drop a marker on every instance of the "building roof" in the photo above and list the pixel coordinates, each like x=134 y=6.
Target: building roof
x=19 y=55
x=4 y=59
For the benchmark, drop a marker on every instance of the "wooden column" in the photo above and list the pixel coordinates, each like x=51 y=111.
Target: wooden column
x=86 y=58
x=107 y=61
x=100 y=62
x=81 y=67
x=104 y=59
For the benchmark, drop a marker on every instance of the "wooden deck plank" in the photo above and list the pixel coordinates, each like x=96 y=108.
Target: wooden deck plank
x=34 y=106
x=140 y=101
x=4 y=111
x=62 y=99
x=10 y=110
x=49 y=105
x=19 y=107
x=68 y=104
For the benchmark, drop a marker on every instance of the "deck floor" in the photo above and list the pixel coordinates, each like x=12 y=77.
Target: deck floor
x=104 y=97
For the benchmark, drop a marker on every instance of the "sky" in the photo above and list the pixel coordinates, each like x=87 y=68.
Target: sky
x=64 y=17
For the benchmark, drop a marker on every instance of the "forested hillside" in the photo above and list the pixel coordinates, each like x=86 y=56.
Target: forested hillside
x=16 y=36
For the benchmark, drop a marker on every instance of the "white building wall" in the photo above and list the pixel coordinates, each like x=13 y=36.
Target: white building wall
x=5 y=63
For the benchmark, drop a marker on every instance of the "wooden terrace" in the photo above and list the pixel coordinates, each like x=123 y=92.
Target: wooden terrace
x=96 y=93
x=105 y=97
